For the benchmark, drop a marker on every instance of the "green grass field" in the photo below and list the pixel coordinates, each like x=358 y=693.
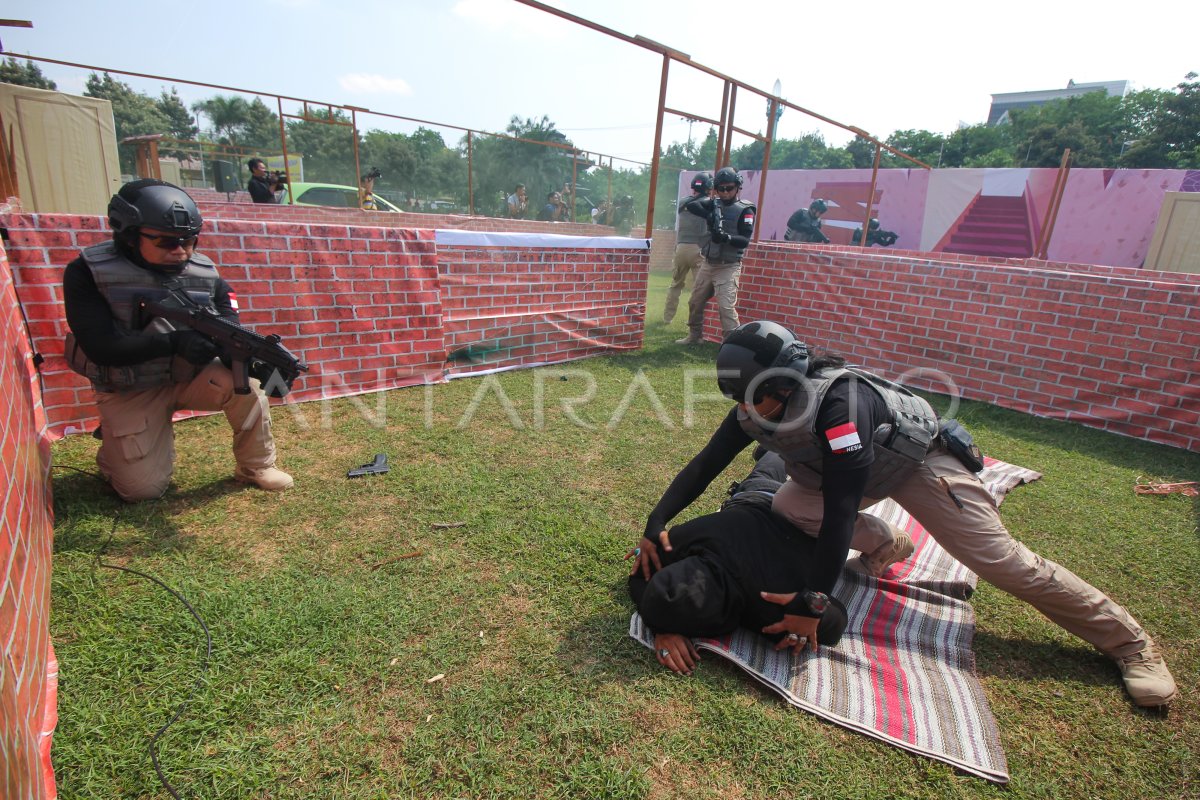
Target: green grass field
x=332 y=606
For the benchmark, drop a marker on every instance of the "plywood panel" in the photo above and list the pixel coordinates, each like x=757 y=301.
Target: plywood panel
x=66 y=149
x=1176 y=243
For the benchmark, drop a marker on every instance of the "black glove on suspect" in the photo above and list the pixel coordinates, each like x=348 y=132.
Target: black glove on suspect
x=195 y=347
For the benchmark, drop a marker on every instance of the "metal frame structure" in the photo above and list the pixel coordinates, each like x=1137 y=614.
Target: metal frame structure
x=725 y=126
x=576 y=153
x=1056 y=195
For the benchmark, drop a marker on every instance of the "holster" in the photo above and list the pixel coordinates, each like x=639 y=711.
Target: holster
x=959 y=443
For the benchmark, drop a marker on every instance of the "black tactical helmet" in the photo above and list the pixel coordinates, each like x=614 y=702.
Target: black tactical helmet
x=727 y=175
x=154 y=204
x=873 y=224
x=702 y=183
x=818 y=206
x=756 y=348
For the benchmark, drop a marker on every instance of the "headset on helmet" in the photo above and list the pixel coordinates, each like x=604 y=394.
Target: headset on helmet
x=727 y=175
x=153 y=204
x=756 y=348
x=818 y=206
x=702 y=183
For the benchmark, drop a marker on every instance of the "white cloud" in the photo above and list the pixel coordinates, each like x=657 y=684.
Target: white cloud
x=363 y=83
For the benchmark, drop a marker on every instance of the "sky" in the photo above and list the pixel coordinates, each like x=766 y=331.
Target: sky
x=880 y=66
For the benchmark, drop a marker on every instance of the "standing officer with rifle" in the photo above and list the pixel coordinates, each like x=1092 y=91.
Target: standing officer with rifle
x=143 y=368
x=730 y=225
x=690 y=230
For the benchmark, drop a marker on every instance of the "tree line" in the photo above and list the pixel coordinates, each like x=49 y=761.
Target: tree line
x=1152 y=128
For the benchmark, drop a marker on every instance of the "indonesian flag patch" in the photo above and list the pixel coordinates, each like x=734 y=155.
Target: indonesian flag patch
x=844 y=438
x=233 y=301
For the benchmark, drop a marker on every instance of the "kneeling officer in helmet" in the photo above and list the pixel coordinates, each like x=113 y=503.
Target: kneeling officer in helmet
x=143 y=371
x=850 y=438
x=730 y=225
x=805 y=224
x=875 y=236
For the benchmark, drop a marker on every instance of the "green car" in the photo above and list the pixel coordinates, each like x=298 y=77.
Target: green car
x=329 y=194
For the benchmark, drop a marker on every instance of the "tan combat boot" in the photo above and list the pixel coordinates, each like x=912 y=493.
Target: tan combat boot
x=877 y=561
x=1147 y=678
x=268 y=478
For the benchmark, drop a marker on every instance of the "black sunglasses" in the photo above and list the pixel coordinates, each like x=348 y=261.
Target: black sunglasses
x=728 y=188
x=171 y=242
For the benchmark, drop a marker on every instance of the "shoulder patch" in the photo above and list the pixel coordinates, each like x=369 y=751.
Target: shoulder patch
x=843 y=438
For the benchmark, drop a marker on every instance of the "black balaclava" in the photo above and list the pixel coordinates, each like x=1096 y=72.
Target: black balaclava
x=691 y=597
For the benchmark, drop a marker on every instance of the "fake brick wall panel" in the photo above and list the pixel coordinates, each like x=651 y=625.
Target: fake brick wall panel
x=518 y=306
x=1109 y=347
x=28 y=674
x=269 y=301
x=374 y=322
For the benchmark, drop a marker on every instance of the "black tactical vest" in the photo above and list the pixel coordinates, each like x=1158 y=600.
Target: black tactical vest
x=122 y=282
x=692 y=229
x=727 y=253
x=900 y=443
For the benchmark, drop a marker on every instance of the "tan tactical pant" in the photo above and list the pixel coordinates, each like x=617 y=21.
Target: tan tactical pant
x=138 y=451
x=687 y=259
x=971 y=531
x=719 y=281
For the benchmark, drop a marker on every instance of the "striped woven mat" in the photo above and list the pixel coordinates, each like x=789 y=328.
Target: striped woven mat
x=903 y=672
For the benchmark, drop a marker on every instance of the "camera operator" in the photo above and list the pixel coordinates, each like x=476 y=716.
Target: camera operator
x=875 y=236
x=554 y=208
x=366 y=190
x=263 y=185
x=517 y=202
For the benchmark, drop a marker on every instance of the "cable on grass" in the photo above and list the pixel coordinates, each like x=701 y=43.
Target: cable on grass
x=152 y=748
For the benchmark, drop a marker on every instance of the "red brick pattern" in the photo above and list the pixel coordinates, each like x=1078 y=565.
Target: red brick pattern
x=506 y=306
x=359 y=305
x=368 y=308
x=28 y=674
x=1113 y=348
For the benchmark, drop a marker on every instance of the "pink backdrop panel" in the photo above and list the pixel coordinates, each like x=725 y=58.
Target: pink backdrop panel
x=1108 y=216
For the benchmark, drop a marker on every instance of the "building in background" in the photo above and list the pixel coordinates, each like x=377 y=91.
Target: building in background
x=1002 y=104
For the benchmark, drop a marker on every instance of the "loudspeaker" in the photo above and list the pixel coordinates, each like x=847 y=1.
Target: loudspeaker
x=226 y=175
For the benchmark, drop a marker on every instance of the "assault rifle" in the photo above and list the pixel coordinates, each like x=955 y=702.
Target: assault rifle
x=716 y=222
x=874 y=236
x=251 y=354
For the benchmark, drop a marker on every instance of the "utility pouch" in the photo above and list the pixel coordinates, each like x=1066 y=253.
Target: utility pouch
x=958 y=442
x=906 y=437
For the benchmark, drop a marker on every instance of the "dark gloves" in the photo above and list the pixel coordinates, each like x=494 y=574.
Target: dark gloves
x=721 y=238
x=195 y=347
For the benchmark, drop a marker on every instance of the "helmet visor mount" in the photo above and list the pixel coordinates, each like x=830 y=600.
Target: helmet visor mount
x=181 y=220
